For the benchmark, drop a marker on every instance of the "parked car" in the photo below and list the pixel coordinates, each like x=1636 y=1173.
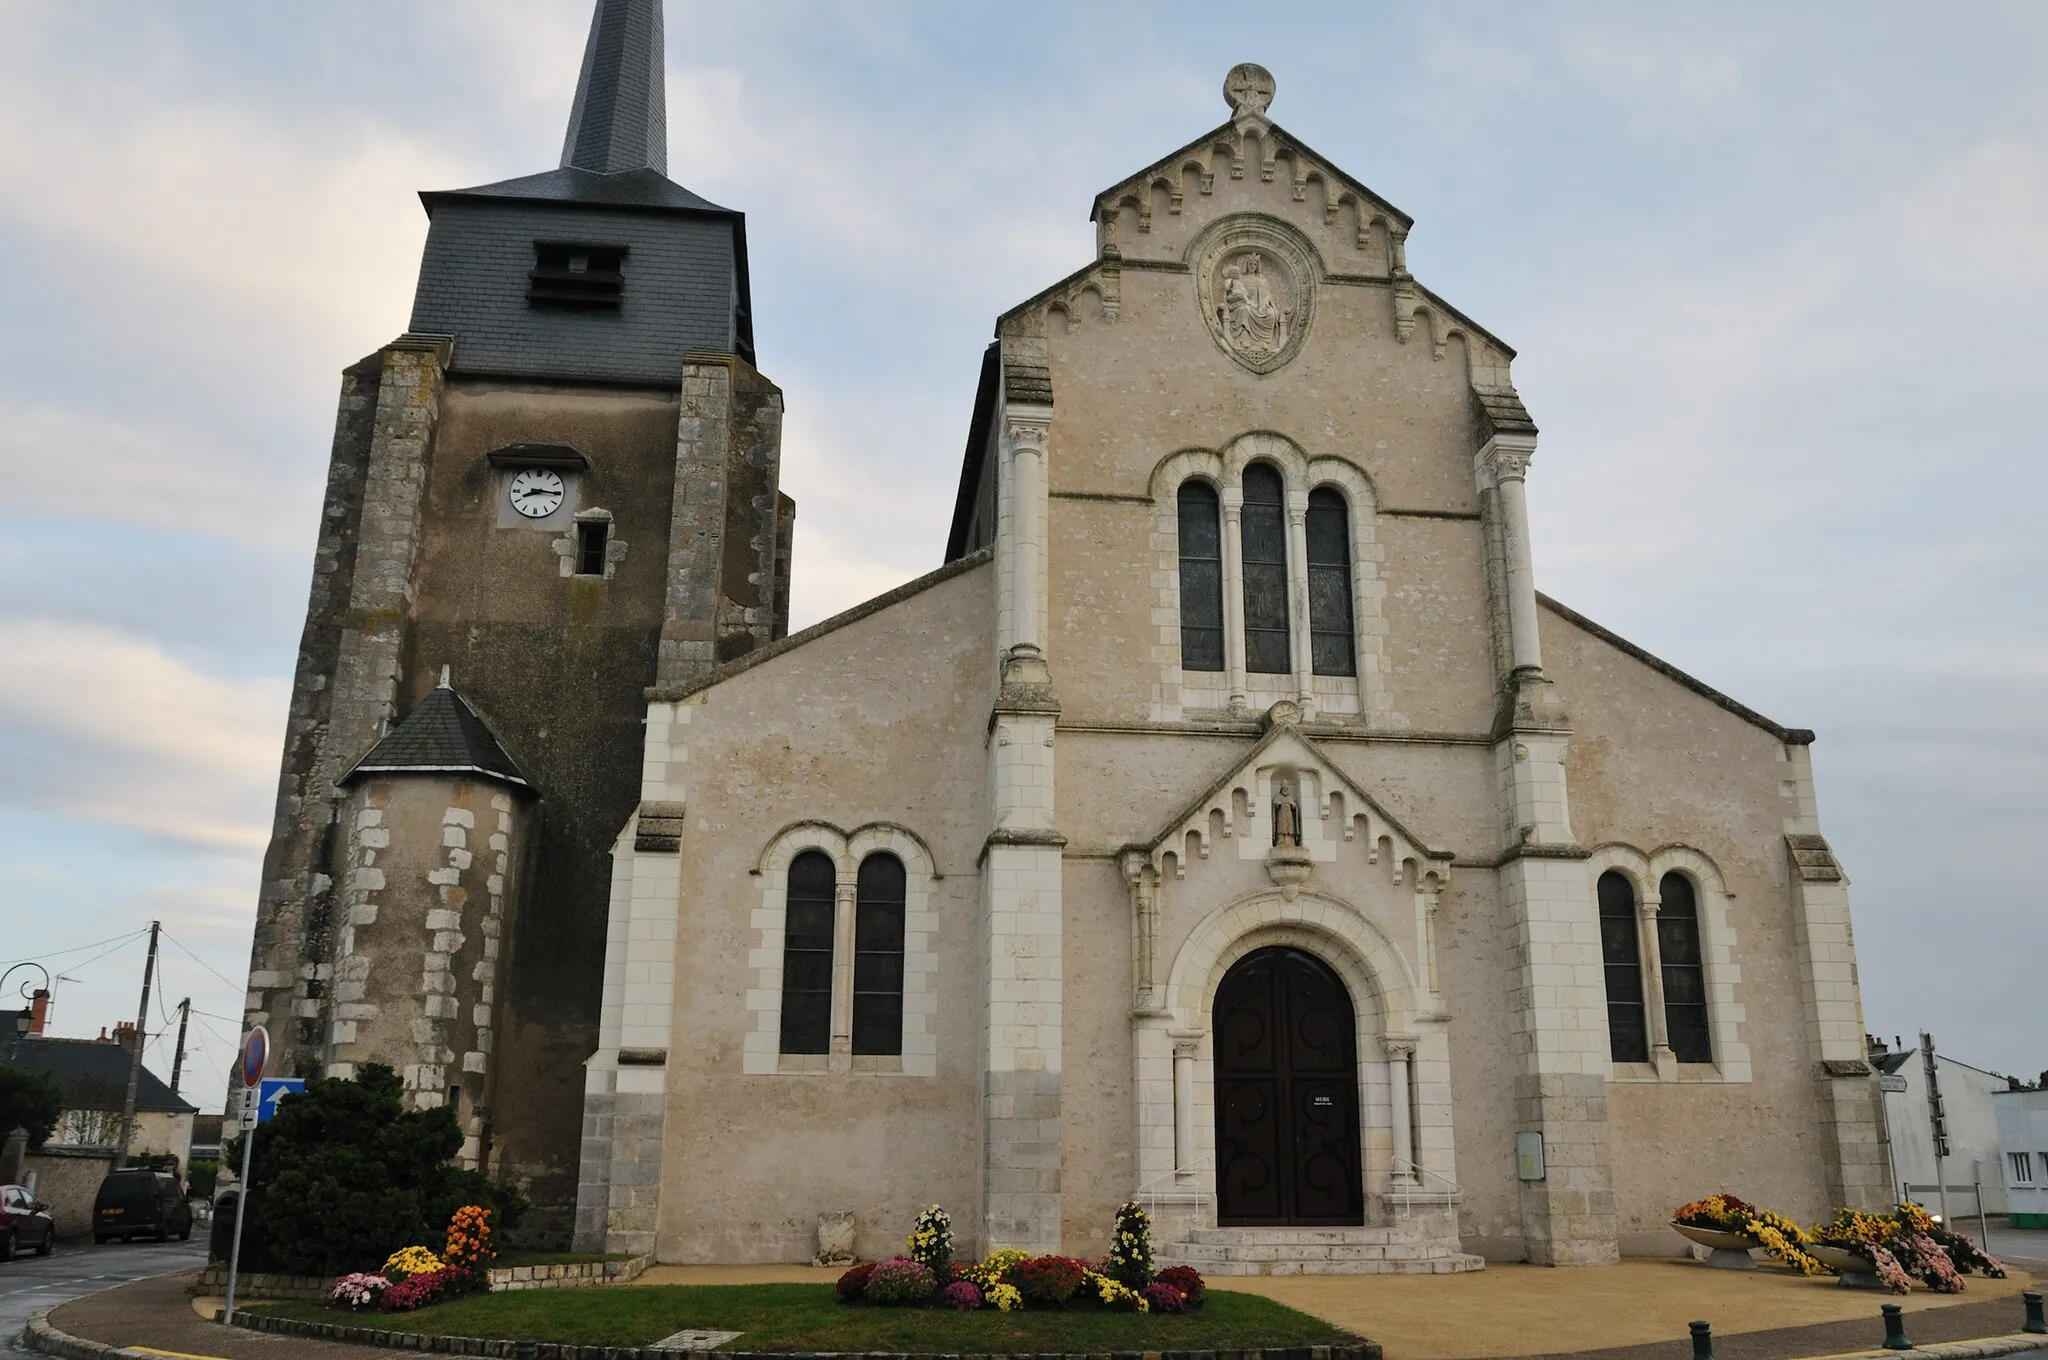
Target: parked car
x=136 y=1203
x=24 y=1221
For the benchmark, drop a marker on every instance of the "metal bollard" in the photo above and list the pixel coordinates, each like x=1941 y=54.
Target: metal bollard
x=2035 y=1322
x=1702 y=1340
x=1895 y=1329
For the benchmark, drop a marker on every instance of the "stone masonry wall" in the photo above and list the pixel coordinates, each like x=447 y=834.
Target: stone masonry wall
x=419 y=952
x=343 y=689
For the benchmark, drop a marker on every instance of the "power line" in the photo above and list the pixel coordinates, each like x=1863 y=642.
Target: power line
x=204 y=964
x=80 y=949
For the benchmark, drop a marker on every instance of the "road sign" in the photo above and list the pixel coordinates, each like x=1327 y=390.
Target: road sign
x=255 y=1053
x=273 y=1090
x=245 y=1112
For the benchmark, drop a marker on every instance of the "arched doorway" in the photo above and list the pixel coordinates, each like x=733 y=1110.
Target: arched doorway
x=1286 y=1094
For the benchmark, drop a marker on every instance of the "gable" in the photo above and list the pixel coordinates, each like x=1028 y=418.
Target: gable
x=1339 y=820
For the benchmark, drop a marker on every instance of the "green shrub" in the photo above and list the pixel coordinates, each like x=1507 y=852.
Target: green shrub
x=204 y=1176
x=29 y=1100
x=344 y=1174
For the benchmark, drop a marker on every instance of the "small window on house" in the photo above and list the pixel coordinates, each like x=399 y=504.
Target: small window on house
x=2022 y=1168
x=566 y=274
x=878 y=956
x=1264 y=535
x=807 y=955
x=590 y=545
x=1628 y=1034
x=1329 y=584
x=1685 y=971
x=1201 y=578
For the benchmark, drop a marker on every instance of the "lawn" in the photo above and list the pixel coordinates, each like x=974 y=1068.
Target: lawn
x=809 y=1317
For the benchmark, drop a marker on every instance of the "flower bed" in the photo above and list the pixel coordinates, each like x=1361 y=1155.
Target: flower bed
x=1009 y=1280
x=416 y=1277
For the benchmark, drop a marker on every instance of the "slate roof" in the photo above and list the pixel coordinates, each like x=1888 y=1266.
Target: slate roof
x=93 y=1073
x=615 y=154
x=442 y=734
x=645 y=189
x=620 y=118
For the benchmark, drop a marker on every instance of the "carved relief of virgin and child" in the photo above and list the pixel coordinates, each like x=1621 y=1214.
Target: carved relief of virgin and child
x=1254 y=320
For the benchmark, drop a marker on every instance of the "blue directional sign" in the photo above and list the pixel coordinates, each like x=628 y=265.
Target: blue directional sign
x=273 y=1090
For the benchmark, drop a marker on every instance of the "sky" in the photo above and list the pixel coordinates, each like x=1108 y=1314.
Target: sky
x=1777 y=277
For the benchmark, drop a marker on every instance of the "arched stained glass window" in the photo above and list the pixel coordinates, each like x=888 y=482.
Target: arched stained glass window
x=807 y=955
x=1628 y=1035
x=1329 y=584
x=1685 y=970
x=878 y=956
x=1264 y=535
x=1201 y=578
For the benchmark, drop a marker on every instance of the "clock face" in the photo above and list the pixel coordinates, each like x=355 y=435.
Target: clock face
x=536 y=492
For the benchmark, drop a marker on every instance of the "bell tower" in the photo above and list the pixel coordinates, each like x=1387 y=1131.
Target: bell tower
x=560 y=484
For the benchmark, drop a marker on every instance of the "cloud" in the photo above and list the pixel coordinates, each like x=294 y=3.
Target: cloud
x=89 y=464
x=108 y=728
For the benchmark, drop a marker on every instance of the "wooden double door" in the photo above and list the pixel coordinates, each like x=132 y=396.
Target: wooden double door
x=1286 y=1053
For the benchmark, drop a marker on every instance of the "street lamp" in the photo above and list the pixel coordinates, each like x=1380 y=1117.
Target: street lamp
x=24 y=1018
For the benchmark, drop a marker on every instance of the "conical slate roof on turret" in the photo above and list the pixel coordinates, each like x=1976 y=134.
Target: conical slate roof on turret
x=442 y=735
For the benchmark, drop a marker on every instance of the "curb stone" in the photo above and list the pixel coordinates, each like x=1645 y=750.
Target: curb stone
x=1980 y=1349
x=562 y=1350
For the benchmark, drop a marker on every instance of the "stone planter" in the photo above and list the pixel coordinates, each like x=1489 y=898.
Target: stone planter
x=1725 y=1250
x=1856 y=1269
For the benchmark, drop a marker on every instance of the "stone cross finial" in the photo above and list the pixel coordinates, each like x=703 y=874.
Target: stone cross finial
x=1249 y=88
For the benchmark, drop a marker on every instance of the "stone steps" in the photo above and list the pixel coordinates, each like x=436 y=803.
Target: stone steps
x=1315 y=1251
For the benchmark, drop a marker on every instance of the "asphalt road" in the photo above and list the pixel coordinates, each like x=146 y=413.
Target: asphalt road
x=31 y=1283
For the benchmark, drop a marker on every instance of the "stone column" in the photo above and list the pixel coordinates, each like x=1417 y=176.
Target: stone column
x=1024 y=443
x=843 y=907
x=1184 y=1109
x=1399 y=1052
x=1653 y=984
x=1144 y=887
x=1233 y=596
x=1556 y=986
x=1297 y=615
x=1021 y=883
x=1507 y=459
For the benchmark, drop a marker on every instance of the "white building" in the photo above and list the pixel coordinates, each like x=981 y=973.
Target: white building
x=1973 y=1133
x=2022 y=1118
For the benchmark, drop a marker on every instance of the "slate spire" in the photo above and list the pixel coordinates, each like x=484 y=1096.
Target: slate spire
x=619 y=121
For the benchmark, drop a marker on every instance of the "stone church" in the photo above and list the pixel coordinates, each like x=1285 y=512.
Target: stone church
x=1228 y=823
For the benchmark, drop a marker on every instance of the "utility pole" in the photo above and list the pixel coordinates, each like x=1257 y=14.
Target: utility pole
x=135 y=1059
x=1938 y=1121
x=178 y=1062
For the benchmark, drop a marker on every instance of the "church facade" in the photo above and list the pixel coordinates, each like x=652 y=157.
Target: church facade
x=1229 y=823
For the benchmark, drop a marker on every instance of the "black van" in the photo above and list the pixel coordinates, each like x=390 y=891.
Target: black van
x=136 y=1203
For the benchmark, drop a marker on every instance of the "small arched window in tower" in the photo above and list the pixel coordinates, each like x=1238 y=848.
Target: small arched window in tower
x=1628 y=1034
x=1264 y=536
x=807 y=955
x=1329 y=584
x=1685 y=970
x=878 y=956
x=1201 y=578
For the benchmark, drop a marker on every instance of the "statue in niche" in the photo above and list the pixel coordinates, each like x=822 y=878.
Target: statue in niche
x=1286 y=817
x=1254 y=321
